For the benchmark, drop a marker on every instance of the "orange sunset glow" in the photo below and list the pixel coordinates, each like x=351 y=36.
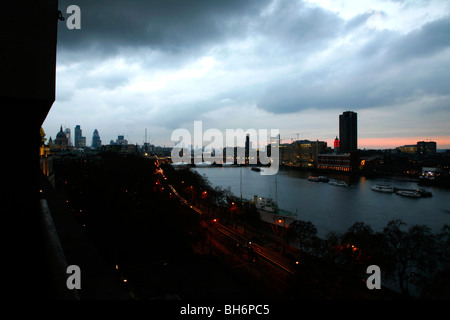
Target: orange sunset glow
x=442 y=142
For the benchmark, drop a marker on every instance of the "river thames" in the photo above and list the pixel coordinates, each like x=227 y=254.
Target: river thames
x=334 y=208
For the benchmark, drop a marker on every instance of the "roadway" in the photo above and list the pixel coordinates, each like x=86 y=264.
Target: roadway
x=217 y=229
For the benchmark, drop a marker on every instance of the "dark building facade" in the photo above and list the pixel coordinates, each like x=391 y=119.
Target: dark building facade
x=348 y=132
x=426 y=148
x=28 y=70
x=78 y=134
x=80 y=141
x=96 y=141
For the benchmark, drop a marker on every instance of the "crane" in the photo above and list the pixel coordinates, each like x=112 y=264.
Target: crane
x=300 y=133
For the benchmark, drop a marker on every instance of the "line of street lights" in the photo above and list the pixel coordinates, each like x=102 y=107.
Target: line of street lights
x=256 y=246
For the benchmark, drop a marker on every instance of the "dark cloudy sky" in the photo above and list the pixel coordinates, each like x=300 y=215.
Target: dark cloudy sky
x=282 y=64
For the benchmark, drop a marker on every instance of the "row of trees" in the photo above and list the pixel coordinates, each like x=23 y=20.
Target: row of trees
x=405 y=255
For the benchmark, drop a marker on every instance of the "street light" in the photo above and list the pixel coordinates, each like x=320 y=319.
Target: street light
x=284 y=232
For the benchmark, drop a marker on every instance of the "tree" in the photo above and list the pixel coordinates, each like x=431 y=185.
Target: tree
x=329 y=248
x=443 y=242
x=43 y=138
x=410 y=254
x=305 y=232
x=359 y=246
x=437 y=286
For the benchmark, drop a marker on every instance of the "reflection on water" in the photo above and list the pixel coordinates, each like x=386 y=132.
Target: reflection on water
x=333 y=208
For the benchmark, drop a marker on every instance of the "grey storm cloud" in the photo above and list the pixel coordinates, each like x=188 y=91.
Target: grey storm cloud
x=169 y=25
x=389 y=67
x=429 y=39
x=279 y=56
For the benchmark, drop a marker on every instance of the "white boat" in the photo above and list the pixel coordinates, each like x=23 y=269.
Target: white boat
x=338 y=183
x=318 y=179
x=269 y=212
x=383 y=188
x=266 y=205
x=180 y=165
x=203 y=164
x=408 y=193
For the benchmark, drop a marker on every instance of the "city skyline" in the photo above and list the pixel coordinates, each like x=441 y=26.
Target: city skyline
x=287 y=65
x=248 y=143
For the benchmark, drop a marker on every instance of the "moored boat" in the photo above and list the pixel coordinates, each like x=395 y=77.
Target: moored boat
x=383 y=188
x=408 y=193
x=318 y=179
x=424 y=193
x=203 y=164
x=338 y=183
x=270 y=213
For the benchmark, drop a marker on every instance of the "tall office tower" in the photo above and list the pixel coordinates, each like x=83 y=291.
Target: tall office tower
x=82 y=142
x=69 y=141
x=348 y=132
x=247 y=148
x=96 y=141
x=78 y=135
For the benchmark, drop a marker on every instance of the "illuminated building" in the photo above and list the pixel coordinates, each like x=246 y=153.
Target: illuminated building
x=337 y=162
x=336 y=145
x=412 y=149
x=302 y=153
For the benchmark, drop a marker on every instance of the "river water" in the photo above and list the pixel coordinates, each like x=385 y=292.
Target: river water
x=333 y=208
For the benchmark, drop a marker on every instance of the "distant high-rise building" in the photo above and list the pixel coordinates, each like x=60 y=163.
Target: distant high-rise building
x=96 y=141
x=247 y=148
x=121 y=140
x=146 y=146
x=80 y=141
x=348 y=132
x=426 y=148
x=78 y=134
x=69 y=140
